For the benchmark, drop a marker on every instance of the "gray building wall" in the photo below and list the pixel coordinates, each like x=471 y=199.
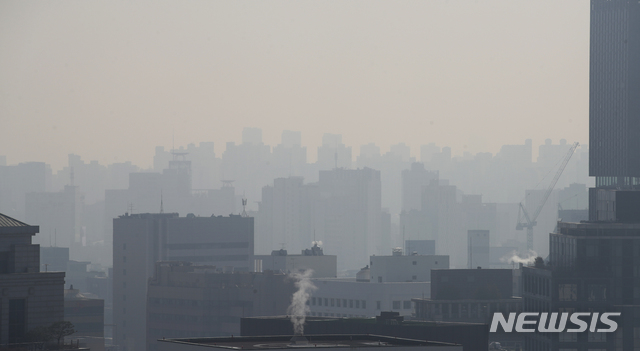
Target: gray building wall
x=28 y=298
x=141 y=240
x=414 y=268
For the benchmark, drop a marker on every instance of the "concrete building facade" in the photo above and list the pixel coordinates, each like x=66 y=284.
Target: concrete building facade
x=398 y=268
x=352 y=298
x=141 y=240
x=28 y=298
x=323 y=266
x=185 y=300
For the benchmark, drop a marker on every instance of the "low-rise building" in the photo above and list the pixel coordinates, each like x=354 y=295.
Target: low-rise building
x=361 y=298
x=472 y=336
x=335 y=342
x=399 y=268
x=323 y=266
x=86 y=312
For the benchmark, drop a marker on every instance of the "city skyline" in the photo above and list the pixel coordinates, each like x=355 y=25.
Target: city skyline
x=109 y=81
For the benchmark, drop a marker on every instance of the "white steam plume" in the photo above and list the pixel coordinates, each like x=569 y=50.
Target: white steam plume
x=298 y=308
x=513 y=257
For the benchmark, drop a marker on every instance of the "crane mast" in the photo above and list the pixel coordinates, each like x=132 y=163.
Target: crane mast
x=526 y=221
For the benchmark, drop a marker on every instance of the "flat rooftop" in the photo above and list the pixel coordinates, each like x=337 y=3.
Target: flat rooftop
x=304 y=342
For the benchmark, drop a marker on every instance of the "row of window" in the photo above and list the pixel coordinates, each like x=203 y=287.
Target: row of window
x=333 y=302
x=199 y=303
x=361 y=304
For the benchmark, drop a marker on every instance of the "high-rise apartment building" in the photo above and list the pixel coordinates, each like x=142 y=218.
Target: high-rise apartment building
x=614 y=93
x=141 y=240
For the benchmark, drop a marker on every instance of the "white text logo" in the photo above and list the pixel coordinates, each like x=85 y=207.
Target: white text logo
x=550 y=323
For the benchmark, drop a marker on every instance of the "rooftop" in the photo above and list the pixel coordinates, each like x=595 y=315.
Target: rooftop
x=10 y=225
x=304 y=342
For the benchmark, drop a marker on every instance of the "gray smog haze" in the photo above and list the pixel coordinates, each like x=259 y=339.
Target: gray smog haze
x=109 y=80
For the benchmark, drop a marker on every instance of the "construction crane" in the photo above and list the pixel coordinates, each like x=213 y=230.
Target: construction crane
x=526 y=221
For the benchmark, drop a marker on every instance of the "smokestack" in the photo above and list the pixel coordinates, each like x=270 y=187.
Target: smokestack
x=298 y=308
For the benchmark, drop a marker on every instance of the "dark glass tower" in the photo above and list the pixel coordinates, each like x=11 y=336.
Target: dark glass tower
x=614 y=93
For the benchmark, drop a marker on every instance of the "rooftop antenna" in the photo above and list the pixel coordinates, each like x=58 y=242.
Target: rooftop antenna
x=244 y=207
x=161 y=205
x=130 y=207
x=71 y=175
x=55 y=237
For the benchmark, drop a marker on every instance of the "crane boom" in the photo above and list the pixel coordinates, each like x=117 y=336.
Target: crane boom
x=531 y=220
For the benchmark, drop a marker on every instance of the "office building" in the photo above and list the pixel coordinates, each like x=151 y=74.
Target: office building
x=478 y=249
x=472 y=296
x=141 y=240
x=30 y=298
x=185 y=300
x=614 y=81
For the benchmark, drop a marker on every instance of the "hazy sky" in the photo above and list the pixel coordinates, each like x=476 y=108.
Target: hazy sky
x=109 y=80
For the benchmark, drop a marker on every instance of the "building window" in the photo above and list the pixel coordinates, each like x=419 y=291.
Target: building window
x=124 y=272
x=396 y=305
x=313 y=301
x=364 y=304
x=326 y=301
x=357 y=303
x=124 y=284
x=597 y=337
x=597 y=292
x=406 y=305
x=124 y=297
x=350 y=303
x=567 y=292
x=568 y=337
x=124 y=246
x=414 y=277
x=332 y=302
x=379 y=279
x=338 y=302
x=124 y=259
x=17 y=319
x=344 y=302
x=378 y=305
x=415 y=263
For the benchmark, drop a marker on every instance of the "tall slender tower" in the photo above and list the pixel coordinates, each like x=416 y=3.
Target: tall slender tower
x=614 y=93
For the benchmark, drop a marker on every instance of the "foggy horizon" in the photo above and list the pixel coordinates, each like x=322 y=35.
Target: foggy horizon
x=111 y=80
